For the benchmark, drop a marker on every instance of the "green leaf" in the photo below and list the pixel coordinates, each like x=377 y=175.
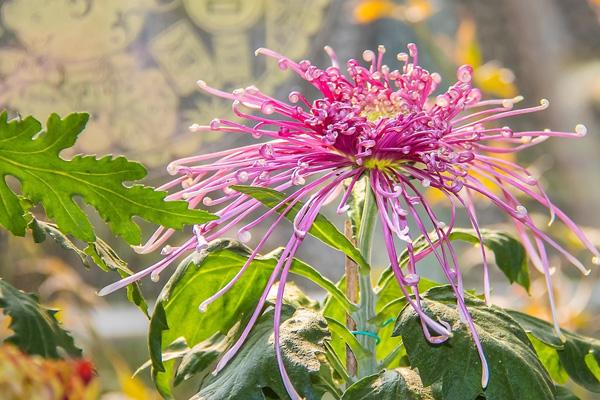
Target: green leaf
x=100 y=252
x=33 y=158
x=340 y=330
x=548 y=356
x=304 y=270
x=540 y=329
x=572 y=351
x=108 y=260
x=515 y=371
x=400 y=383
x=254 y=369
x=510 y=255
x=322 y=228
x=593 y=363
x=199 y=277
x=198 y=359
x=36 y=329
x=42 y=229
x=562 y=393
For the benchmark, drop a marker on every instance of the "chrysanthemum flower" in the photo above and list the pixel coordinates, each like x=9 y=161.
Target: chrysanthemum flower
x=383 y=123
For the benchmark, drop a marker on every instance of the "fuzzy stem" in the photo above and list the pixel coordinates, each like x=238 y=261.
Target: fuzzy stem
x=351 y=272
x=367 y=365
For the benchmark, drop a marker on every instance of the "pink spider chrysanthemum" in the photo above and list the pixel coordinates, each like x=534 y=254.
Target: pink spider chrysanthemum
x=375 y=121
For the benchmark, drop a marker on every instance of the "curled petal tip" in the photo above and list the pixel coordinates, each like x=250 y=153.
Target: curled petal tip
x=544 y=103
x=580 y=130
x=485 y=375
x=106 y=290
x=201 y=83
x=139 y=249
x=172 y=169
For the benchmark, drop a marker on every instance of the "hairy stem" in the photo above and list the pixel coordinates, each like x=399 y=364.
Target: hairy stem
x=366 y=365
x=351 y=272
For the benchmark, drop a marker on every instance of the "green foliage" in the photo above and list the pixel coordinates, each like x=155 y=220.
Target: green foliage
x=99 y=251
x=389 y=302
x=322 y=228
x=254 y=368
x=510 y=254
x=199 y=358
x=197 y=278
x=516 y=372
x=35 y=327
x=577 y=353
x=400 y=383
x=32 y=156
x=562 y=393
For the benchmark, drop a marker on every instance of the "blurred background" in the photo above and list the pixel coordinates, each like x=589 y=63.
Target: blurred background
x=133 y=66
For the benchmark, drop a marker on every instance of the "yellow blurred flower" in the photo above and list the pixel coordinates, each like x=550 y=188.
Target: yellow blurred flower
x=367 y=11
x=490 y=77
x=34 y=378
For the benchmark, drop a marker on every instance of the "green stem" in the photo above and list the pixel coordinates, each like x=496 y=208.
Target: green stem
x=366 y=365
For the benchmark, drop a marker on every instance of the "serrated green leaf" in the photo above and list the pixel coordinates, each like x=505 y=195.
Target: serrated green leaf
x=321 y=228
x=100 y=252
x=515 y=370
x=35 y=328
x=573 y=349
x=254 y=368
x=400 y=383
x=42 y=229
x=304 y=270
x=108 y=260
x=33 y=158
x=510 y=254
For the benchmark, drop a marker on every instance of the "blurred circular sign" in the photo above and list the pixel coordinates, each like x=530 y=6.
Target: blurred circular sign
x=133 y=65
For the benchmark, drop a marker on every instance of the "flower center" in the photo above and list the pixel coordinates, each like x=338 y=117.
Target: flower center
x=380 y=163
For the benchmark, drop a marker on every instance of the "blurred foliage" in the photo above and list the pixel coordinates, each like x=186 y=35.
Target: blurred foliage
x=34 y=378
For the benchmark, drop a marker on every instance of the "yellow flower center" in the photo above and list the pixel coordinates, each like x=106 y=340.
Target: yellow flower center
x=380 y=163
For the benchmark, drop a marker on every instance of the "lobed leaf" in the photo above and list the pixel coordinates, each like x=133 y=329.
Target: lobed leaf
x=515 y=370
x=99 y=251
x=576 y=352
x=254 y=369
x=32 y=156
x=35 y=327
x=399 y=383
